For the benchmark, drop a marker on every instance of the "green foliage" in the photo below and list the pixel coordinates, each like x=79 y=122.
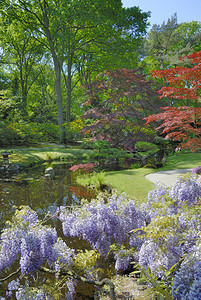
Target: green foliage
x=6 y=134
x=135 y=166
x=111 y=155
x=160 y=290
x=27 y=133
x=49 y=132
x=106 y=152
x=95 y=179
x=86 y=259
x=72 y=129
x=146 y=147
x=99 y=144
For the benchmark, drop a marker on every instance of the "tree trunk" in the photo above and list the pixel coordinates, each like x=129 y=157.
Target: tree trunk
x=68 y=87
x=58 y=63
x=57 y=70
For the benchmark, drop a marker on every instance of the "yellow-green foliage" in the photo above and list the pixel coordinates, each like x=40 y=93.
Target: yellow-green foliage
x=86 y=259
x=94 y=179
x=74 y=127
x=161 y=227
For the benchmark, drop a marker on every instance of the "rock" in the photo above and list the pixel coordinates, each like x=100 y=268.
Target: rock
x=49 y=173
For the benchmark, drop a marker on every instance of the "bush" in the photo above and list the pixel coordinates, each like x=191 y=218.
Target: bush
x=27 y=133
x=7 y=136
x=49 y=132
x=99 y=144
x=146 y=147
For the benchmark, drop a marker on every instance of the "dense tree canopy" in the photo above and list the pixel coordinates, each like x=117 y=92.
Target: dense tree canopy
x=183 y=84
x=166 y=43
x=49 y=50
x=73 y=30
x=118 y=100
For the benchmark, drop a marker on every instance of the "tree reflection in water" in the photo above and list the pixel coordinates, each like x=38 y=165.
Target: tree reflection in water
x=39 y=193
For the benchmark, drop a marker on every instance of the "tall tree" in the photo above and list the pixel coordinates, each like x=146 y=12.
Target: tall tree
x=117 y=102
x=71 y=27
x=166 y=43
x=181 y=124
x=21 y=55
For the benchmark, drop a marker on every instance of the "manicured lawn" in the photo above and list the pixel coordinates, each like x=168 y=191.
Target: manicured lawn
x=134 y=183
x=183 y=161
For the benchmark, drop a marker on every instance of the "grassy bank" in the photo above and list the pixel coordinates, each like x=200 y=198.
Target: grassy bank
x=31 y=156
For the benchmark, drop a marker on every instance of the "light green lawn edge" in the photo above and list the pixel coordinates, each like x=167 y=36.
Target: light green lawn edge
x=31 y=156
x=134 y=183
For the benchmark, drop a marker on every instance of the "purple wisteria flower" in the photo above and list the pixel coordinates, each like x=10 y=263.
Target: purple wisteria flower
x=186 y=190
x=103 y=224
x=123 y=260
x=187 y=281
x=158 y=199
x=197 y=170
x=160 y=254
x=32 y=243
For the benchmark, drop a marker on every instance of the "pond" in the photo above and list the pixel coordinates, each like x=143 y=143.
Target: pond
x=42 y=194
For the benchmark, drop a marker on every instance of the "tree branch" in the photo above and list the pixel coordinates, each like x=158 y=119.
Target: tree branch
x=9 y=276
x=71 y=273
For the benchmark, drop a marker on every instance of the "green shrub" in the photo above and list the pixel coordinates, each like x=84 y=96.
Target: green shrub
x=7 y=136
x=136 y=166
x=146 y=147
x=27 y=133
x=99 y=144
x=49 y=132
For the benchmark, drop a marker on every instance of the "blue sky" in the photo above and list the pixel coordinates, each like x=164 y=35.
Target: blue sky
x=161 y=10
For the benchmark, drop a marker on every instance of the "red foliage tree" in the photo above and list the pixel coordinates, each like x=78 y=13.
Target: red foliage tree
x=181 y=123
x=118 y=100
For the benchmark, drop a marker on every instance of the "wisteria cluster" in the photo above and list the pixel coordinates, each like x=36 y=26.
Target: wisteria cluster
x=123 y=260
x=33 y=242
x=24 y=292
x=186 y=190
x=164 y=201
x=103 y=224
x=158 y=235
x=187 y=280
x=173 y=241
x=161 y=252
x=197 y=170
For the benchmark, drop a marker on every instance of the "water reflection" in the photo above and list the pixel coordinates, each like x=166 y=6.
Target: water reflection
x=40 y=193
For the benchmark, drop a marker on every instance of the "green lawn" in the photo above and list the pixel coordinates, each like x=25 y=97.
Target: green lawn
x=29 y=156
x=134 y=183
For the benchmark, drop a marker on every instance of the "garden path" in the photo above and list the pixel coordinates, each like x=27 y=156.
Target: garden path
x=167 y=178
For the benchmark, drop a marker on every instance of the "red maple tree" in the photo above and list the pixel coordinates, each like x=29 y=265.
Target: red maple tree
x=181 y=123
x=117 y=102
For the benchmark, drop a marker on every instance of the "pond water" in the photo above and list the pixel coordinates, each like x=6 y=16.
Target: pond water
x=42 y=195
